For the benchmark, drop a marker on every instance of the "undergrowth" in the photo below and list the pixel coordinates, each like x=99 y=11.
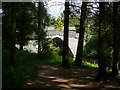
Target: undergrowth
x=25 y=67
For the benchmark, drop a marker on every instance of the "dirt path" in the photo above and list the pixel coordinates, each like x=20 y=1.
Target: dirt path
x=52 y=76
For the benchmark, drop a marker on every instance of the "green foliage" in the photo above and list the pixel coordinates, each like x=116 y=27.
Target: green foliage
x=58 y=24
x=90 y=65
x=15 y=76
x=43 y=20
x=43 y=16
x=25 y=27
x=93 y=53
x=26 y=22
x=53 y=47
x=47 y=48
x=25 y=12
x=91 y=37
x=51 y=21
x=25 y=68
x=90 y=49
x=73 y=19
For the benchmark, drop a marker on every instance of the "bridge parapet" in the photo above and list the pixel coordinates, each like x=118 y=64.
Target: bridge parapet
x=72 y=33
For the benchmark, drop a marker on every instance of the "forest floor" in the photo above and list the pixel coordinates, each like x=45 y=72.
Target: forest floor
x=56 y=77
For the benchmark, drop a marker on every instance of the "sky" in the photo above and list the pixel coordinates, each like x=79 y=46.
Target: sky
x=55 y=7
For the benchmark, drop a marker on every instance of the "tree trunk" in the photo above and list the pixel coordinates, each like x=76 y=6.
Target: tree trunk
x=21 y=42
x=13 y=29
x=65 y=58
x=101 y=44
x=79 y=55
x=39 y=25
x=115 y=40
x=21 y=45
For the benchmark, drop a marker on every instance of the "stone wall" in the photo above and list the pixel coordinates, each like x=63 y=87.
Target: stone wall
x=72 y=33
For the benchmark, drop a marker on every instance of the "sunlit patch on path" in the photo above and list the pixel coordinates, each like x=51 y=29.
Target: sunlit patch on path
x=52 y=76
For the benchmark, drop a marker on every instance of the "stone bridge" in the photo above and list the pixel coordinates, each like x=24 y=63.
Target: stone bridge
x=72 y=33
x=73 y=37
x=52 y=33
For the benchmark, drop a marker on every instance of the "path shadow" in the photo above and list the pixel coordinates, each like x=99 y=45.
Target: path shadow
x=52 y=76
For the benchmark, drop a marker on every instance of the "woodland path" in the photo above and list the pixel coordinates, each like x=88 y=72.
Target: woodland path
x=55 y=77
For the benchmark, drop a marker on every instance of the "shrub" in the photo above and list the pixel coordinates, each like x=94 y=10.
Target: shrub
x=15 y=76
x=90 y=49
x=93 y=53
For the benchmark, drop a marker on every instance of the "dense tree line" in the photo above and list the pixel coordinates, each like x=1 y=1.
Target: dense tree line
x=21 y=22
x=104 y=27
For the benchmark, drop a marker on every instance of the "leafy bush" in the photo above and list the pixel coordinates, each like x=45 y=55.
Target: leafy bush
x=15 y=76
x=90 y=49
x=47 y=48
x=58 y=24
x=90 y=65
x=93 y=53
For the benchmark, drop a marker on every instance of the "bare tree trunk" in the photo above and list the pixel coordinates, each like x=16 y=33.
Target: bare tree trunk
x=21 y=40
x=79 y=55
x=65 y=59
x=39 y=25
x=21 y=45
x=115 y=40
x=13 y=29
x=101 y=44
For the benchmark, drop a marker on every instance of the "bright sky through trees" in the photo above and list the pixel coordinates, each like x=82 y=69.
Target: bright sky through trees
x=55 y=7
